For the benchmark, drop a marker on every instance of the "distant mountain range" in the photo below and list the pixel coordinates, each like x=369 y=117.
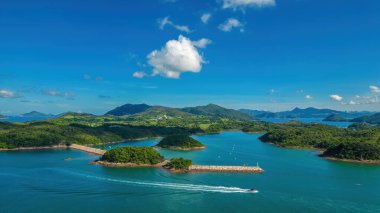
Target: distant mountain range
x=208 y=110
x=305 y=113
x=213 y=110
x=36 y=114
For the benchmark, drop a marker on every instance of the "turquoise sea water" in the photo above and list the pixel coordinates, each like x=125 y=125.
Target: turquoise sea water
x=294 y=181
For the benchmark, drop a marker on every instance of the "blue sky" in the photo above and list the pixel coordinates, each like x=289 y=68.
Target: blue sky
x=92 y=56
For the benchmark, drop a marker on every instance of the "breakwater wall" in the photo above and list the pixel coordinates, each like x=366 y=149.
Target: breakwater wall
x=88 y=149
x=201 y=168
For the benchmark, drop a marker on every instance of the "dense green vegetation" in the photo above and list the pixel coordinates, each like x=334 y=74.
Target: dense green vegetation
x=355 y=151
x=161 y=112
x=201 y=123
x=179 y=164
x=337 y=142
x=128 y=109
x=371 y=119
x=48 y=133
x=179 y=141
x=335 y=118
x=217 y=111
x=129 y=154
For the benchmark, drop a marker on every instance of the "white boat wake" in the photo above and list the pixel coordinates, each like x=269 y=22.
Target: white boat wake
x=178 y=186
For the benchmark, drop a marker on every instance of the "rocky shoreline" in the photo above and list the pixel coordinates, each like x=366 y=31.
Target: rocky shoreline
x=181 y=148
x=375 y=162
x=36 y=148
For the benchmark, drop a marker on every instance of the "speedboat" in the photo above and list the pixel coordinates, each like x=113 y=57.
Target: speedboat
x=253 y=191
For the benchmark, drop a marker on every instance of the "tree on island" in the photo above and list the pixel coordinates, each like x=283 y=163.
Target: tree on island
x=179 y=164
x=179 y=141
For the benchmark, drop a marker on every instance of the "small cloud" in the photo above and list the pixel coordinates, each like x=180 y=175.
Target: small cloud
x=86 y=77
x=374 y=89
x=309 y=97
x=205 y=18
x=139 y=74
x=243 y=4
x=202 y=43
x=231 y=23
x=176 y=57
x=6 y=93
x=99 y=78
x=56 y=93
x=166 y=21
x=336 y=97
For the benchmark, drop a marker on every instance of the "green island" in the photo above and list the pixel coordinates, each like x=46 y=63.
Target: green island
x=130 y=156
x=180 y=142
x=133 y=155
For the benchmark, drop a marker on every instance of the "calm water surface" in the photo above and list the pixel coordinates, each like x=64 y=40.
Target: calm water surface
x=294 y=181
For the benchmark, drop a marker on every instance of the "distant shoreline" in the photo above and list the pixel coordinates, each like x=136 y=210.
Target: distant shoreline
x=320 y=155
x=65 y=147
x=373 y=162
x=36 y=148
x=181 y=149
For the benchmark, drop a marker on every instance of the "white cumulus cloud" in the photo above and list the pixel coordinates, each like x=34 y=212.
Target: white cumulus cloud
x=374 y=89
x=336 y=97
x=5 y=93
x=242 y=4
x=231 y=23
x=176 y=57
x=166 y=21
x=205 y=18
x=308 y=97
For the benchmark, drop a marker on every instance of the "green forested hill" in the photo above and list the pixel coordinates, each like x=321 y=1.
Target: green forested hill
x=337 y=142
x=47 y=133
x=372 y=119
x=129 y=109
x=217 y=111
x=146 y=111
x=335 y=118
